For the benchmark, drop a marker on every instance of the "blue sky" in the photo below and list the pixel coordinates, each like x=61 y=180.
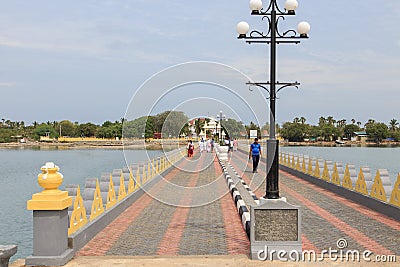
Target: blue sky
x=84 y=60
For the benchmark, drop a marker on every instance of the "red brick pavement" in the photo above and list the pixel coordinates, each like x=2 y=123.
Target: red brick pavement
x=360 y=238
x=236 y=238
x=169 y=245
x=103 y=241
x=360 y=208
x=308 y=245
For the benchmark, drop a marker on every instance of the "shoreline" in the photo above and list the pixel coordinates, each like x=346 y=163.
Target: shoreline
x=165 y=144
x=136 y=145
x=347 y=144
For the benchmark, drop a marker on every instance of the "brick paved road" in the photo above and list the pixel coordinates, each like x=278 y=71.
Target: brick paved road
x=180 y=215
x=154 y=225
x=326 y=217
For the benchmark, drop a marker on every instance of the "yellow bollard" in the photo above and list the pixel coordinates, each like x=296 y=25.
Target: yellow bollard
x=361 y=185
x=78 y=216
x=111 y=196
x=298 y=165
x=316 y=172
x=121 y=190
x=325 y=173
x=378 y=188
x=97 y=205
x=395 y=196
x=303 y=165
x=309 y=167
x=138 y=178
x=131 y=184
x=335 y=175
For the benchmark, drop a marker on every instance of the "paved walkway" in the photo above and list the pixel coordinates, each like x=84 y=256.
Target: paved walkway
x=188 y=212
x=327 y=217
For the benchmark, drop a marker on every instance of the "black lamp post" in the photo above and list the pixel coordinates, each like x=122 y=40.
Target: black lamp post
x=273 y=37
x=220 y=117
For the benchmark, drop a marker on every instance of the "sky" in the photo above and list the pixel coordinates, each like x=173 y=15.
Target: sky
x=96 y=60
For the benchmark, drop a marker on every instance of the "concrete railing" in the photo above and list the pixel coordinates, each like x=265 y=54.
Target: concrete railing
x=378 y=188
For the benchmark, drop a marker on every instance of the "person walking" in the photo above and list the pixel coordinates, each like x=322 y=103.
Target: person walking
x=235 y=144
x=255 y=154
x=190 y=148
x=202 y=145
x=231 y=145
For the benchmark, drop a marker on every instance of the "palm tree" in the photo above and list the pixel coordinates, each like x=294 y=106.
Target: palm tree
x=302 y=120
x=296 y=120
x=370 y=121
x=331 y=120
x=393 y=125
x=321 y=121
x=341 y=123
x=353 y=121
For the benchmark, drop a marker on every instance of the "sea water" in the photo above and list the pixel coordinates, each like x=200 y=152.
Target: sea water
x=19 y=169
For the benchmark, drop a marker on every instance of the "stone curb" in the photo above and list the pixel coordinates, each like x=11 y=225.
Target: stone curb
x=252 y=194
x=242 y=209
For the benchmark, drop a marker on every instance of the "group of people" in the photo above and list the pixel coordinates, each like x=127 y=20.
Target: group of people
x=203 y=146
x=206 y=145
x=254 y=152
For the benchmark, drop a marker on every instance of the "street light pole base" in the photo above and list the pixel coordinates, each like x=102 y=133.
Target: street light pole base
x=272 y=195
x=272 y=181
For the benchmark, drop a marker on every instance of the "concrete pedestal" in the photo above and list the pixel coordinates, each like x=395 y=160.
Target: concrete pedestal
x=50 y=238
x=275 y=230
x=6 y=252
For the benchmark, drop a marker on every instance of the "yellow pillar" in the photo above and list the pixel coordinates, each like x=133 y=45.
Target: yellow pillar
x=50 y=220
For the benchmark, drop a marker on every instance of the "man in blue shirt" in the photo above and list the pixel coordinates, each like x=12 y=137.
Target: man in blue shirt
x=255 y=153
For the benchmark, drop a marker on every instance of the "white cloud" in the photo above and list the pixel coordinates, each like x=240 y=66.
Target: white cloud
x=7 y=84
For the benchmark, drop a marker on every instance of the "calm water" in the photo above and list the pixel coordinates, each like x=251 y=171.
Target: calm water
x=19 y=169
x=373 y=157
x=18 y=181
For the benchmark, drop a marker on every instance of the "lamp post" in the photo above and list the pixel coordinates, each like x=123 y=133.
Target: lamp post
x=220 y=117
x=273 y=37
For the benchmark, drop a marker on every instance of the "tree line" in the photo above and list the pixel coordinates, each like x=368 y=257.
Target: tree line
x=168 y=124
x=176 y=123
x=11 y=131
x=330 y=129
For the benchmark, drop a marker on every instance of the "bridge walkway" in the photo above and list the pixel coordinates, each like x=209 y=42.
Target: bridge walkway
x=326 y=217
x=187 y=212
